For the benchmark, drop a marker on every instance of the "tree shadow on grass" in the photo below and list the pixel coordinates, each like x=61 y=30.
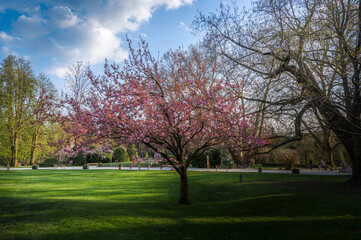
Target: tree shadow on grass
x=269 y=208
x=89 y=220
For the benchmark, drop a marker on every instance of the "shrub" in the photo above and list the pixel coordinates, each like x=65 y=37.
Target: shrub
x=132 y=150
x=4 y=161
x=78 y=160
x=105 y=160
x=228 y=164
x=113 y=164
x=93 y=158
x=121 y=155
x=288 y=161
x=214 y=159
x=49 y=162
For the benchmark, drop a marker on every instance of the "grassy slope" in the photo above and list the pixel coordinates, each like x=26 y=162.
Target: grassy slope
x=106 y=204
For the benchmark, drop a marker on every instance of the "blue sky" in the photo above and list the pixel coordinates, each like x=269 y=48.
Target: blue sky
x=52 y=34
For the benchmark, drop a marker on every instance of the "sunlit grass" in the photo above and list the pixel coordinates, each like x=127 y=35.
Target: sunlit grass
x=107 y=204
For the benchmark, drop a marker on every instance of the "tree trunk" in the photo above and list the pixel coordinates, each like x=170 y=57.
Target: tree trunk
x=184 y=187
x=344 y=163
x=354 y=151
x=240 y=159
x=33 y=148
x=328 y=157
x=14 y=151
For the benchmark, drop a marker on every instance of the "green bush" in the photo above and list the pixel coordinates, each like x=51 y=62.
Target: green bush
x=49 y=162
x=288 y=161
x=121 y=155
x=4 y=161
x=112 y=164
x=93 y=158
x=128 y=164
x=132 y=150
x=228 y=164
x=214 y=159
x=105 y=160
x=259 y=165
x=78 y=160
x=156 y=165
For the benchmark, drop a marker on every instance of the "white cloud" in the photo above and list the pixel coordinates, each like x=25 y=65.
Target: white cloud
x=61 y=17
x=58 y=71
x=65 y=31
x=29 y=27
x=4 y=37
x=185 y=27
x=98 y=43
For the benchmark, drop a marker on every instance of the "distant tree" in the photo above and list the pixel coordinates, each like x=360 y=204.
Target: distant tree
x=132 y=151
x=43 y=109
x=18 y=85
x=77 y=82
x=120 y=155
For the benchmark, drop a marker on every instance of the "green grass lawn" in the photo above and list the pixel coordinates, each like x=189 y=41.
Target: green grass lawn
x=107 y=204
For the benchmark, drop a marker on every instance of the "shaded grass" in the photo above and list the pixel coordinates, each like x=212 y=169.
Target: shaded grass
x=107 y=204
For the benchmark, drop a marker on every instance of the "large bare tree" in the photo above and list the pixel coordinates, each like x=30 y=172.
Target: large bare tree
x=310 y=49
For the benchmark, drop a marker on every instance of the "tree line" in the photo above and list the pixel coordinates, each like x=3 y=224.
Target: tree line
x=26 y=103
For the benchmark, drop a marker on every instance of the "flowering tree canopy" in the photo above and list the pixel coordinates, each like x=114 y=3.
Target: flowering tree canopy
x=176 y=107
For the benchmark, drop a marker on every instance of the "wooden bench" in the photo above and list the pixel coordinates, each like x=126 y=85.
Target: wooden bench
x=56 y=166
x=220 y=167
x=92 y=164
x=86 y=166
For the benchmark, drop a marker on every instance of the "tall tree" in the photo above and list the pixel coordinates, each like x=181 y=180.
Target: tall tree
x=175 y=107
x=309 y=47
x=42 y=111
x=18 y=84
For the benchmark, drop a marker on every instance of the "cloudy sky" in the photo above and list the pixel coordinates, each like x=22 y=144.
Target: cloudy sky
x=54 y=33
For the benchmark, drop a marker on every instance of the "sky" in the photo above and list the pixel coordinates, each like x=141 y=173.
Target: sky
x=52 y=34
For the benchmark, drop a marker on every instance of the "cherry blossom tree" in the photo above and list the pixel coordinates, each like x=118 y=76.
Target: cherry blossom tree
x=175 y=106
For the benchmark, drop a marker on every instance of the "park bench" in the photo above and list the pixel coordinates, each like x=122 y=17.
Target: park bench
x=92 y=164
x=220 y=167
x=56 y=166
x=86 y=166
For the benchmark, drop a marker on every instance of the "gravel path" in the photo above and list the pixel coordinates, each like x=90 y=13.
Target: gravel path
x=302 y=170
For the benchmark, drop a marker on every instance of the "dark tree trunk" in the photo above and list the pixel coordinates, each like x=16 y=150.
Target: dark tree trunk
x=354 y=151
x=328 y=156
x=240 y=158
x=237 y=159
x=184 y=187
